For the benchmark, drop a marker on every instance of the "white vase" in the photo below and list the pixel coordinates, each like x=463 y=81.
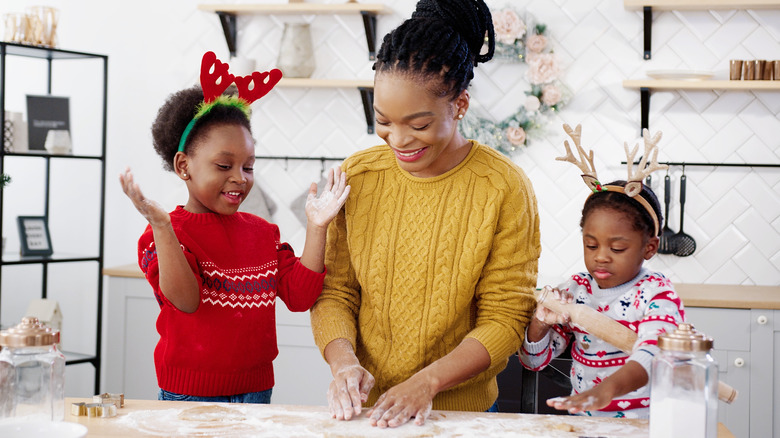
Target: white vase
x=296 y=53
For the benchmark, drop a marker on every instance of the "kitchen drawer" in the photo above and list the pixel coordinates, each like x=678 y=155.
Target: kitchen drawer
x=729 y=328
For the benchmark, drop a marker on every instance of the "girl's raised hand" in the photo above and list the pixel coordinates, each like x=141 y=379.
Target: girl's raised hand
x=547 y=316
x=591 y=400
x=149 y=209
x=320 y=210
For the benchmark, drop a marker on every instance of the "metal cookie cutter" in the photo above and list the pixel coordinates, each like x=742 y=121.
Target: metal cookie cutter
x=117 y=399
x=103 y=410
x=78 y=409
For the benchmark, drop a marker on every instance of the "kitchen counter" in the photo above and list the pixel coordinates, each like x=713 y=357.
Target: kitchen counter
x=128 y=271
x=729 y=296
x=693 y=295
x=168 y=418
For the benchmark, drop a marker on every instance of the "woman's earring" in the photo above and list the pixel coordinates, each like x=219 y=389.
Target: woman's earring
x=184 y=175
x=460 y=116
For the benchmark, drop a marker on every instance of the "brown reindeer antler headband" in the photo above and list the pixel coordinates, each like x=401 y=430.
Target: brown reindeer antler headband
x=215 y=79
x=633 y=182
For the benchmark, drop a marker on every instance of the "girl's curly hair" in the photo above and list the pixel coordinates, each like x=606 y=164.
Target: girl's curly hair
x=178 y=110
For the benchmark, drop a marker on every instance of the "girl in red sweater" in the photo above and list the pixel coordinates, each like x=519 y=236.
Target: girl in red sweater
x=216 y=272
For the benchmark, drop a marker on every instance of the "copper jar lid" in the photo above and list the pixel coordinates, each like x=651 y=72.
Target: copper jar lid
x=29 y=333
x=684 y=338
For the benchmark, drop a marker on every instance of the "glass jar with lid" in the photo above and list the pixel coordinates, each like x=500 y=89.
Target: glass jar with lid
x=684 y=386
x=34 y=371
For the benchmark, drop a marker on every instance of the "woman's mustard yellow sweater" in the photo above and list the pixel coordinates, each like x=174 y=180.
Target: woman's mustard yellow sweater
x=415 y=265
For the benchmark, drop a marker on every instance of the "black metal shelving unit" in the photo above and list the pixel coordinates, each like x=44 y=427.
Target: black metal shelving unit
x=50 y=55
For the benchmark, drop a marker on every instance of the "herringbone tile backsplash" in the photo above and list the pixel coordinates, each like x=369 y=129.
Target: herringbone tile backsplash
x=733 y=213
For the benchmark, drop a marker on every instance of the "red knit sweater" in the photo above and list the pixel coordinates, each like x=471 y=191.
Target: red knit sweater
x=227 y=345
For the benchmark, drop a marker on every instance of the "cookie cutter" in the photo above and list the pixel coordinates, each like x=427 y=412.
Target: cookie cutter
x=78 y=409
x=116 y=399
x=103 y=410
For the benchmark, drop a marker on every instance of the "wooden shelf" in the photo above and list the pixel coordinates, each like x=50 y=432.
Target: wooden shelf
x=645 y=85
x=667 y=84
x=647 y=6
x=297 y=8
x=690 y=5
x=368 y=11
x=326 y=83
x=364 y=86
x=227 y=16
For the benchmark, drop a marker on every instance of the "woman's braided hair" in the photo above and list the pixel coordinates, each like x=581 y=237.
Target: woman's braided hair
x=443 y=39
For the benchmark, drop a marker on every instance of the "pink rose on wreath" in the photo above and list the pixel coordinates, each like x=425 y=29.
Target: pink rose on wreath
x=516 y=136
x=536 y=43
x=542 y=69
x=551 y=95
x=508 y=26
x=532 y=103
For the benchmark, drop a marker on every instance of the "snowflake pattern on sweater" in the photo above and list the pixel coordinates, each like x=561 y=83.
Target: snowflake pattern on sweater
x=648 y=305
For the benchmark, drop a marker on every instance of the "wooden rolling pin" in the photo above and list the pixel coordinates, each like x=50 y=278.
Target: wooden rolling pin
x=608 y=329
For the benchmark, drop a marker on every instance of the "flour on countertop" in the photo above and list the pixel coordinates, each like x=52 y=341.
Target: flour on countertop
x=269 y=421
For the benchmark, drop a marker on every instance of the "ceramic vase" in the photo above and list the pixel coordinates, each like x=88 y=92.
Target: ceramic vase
x=296 y=54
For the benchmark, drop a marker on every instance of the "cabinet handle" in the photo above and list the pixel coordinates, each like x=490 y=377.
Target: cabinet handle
x=762 y=319
x=739 y=362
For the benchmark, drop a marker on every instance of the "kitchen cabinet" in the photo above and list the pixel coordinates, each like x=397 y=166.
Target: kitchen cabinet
x=747 y=348
x=302 y=375
x=228 y=14
x=53 y=181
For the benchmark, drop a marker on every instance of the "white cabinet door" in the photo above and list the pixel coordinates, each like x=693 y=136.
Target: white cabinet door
x=730 y=330
x=764 y=376
x=131 y=317
x=302 y=375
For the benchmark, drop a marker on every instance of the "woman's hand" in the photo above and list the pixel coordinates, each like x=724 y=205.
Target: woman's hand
x=149 y=209
x=351 y=382
x=320 y=210
x=412 y=398
x=348 y=390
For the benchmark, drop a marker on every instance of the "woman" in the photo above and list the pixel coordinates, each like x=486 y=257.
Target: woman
x=432 y=263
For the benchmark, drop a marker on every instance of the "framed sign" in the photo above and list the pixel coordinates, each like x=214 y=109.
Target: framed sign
x=34 y=235
x=45 y=113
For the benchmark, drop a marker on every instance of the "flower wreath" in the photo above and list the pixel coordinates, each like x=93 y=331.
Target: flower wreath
x=515 y=44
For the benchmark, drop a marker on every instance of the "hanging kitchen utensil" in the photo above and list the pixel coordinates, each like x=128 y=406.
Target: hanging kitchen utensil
x=665 y=239
x=684 y=245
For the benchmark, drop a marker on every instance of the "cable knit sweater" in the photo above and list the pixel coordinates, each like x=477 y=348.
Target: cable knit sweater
x=226 y=347
x=415 y=265
x=648 y=305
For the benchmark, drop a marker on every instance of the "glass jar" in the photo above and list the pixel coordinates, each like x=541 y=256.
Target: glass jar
x=35 y=372
x=684 y=386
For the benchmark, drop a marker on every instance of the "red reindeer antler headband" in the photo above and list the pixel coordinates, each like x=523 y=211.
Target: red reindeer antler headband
x=215 y=78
